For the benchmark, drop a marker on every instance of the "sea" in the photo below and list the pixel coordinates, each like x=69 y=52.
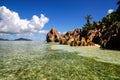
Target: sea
x=39 y=60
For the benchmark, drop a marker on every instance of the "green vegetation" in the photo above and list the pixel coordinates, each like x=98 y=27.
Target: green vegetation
x=108 y=20
x=88 y=18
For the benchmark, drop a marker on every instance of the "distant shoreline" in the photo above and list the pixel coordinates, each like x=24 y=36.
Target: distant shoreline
x=19 y=39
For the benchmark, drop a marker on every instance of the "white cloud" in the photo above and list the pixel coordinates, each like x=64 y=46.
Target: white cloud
x=43 y=32
x=110 y=11
x=11 y=23
x=3 y=34
x=25 y=34
x=64 y=32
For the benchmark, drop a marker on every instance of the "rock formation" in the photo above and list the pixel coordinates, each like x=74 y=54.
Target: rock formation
x=53 y=36
x=106 y=33
x=77 y=37
x=111 y=38
x=108 y=38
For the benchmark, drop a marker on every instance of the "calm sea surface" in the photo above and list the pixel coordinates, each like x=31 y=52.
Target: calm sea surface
x=35 y=60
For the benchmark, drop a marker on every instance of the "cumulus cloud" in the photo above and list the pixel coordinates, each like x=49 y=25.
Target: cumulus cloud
x=11 y=23
x=43 y=32
x=110 y=11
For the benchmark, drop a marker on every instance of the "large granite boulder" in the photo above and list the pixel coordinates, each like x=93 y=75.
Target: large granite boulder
x=111 y=38
x=69 y=41
x=107 y=37
x=97 y=38
x=76 y=32
x=113 y=42
x=90 y=35
x=83 y=42
x=53 y=36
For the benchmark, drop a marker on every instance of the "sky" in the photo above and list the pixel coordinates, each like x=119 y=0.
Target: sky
x=34 y=18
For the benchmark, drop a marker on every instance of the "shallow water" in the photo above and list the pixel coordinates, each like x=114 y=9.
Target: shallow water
x=109 y=56
x=35 y=60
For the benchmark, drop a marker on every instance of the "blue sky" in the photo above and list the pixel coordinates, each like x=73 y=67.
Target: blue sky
x=64 y=15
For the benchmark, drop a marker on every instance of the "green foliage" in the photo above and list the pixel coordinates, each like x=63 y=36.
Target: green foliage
x=107 y=21
x=118 y=9
x=90 y=26
x=88 y=18
x=113 y=17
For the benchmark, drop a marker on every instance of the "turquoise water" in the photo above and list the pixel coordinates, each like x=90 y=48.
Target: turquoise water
x=35 y=60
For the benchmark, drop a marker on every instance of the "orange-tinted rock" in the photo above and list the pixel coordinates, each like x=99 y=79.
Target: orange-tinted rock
x=83 y=42
x=53 y=36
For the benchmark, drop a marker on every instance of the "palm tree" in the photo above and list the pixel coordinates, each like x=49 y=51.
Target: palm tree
x=118 y=3
x=88 y=18
x=118 y=9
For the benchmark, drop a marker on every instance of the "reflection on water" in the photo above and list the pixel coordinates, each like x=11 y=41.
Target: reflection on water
x=35 y=60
